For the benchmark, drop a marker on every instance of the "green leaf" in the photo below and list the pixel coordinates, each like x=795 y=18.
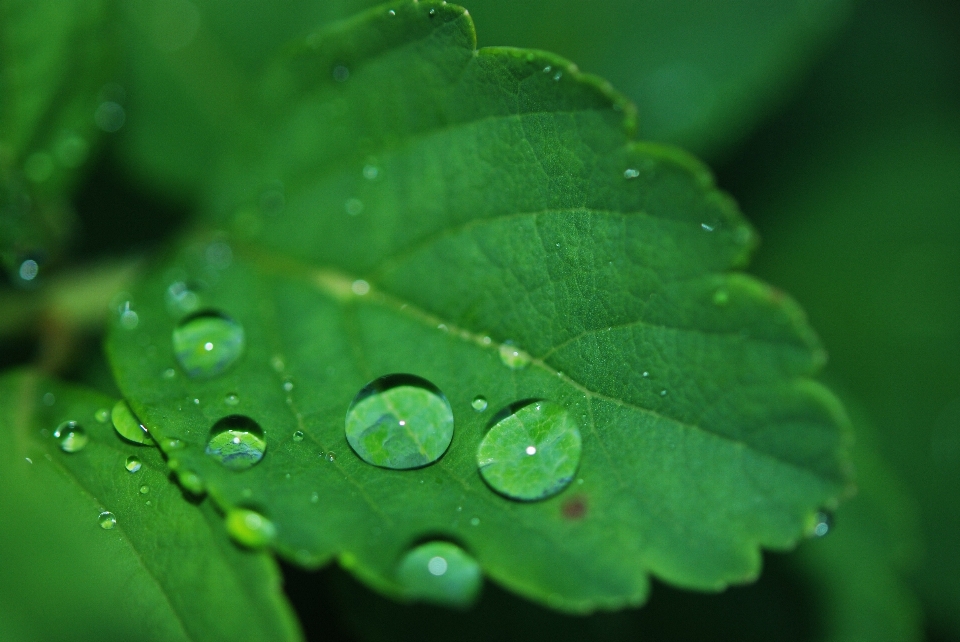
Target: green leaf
x=55 y=57
x=164 y=571
x=512 y=243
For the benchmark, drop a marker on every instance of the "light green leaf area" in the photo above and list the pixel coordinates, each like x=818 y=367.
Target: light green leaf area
x=55 y=57
x=164 y=570
x=482 y=220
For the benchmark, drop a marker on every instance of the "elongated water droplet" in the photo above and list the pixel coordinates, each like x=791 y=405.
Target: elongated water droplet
x=532 y=452
x=72 y=436
x=237 y=442
x=513 y=357
x=479 y=403
x=127 y=425
x=207 y=343
x=440 y=572
x=399 y=421
x=133 y=464
x=249 y=528
x=107 y=520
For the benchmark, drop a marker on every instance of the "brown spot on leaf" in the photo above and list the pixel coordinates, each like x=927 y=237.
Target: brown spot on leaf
x=574 y=508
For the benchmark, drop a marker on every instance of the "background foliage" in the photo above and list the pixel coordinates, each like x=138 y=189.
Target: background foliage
x=836 y=126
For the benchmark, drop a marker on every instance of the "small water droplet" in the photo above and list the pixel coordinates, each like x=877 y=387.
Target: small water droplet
x=371 y=172
x=128 y=318
x=107 y=520
x=392 y=12
x=191 y=482
x=208 y=343
x=331 y=456
x=663 y=393
x=822 y=524
x=440 y=572
x=102 y=415
x=133 y=464
x=360 y=287
x=432 y=13
x=232 y=399
x=721 y=297
x=558 y=75
x=708 y=228
x=171 y=444
x=341 y=73
x=288 y=385
x=399 y=421
x=181 y=299
x=236 y=442
x=149 y=503
x=353 y=206
x=249 y=528
x=29 y=270
x=144 y=489
x=474 y=521
x=29 y=461
x=646 y=374
x=315 y=497
x=487 y=341
x=631 y=173
x=532 y=451
x=513 y=357
x=479 y=403
x=72 y=436
x=168 y=374
x=298 y=436
x=127 y=425
x=547 y=69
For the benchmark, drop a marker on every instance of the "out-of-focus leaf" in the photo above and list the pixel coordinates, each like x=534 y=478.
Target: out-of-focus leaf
x=164 y=571
x=423 y=205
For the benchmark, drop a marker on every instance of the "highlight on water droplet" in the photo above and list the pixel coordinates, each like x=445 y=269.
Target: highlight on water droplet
x=479 y=403
x=107 y=520
x=249 y=528
x=207 y=343
x=531 y=452
x=237 y=442
x=72 y=436
x=127 y=425
x=133 y=464
x=399 y=421
x=441 y=573
x=513 y=357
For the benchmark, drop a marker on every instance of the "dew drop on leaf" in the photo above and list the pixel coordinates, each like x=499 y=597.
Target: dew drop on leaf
x=440 y=572
x=298 y=436
x=144 y=489
x=72 y=436
x=513 y=357
x=479 y=403
x=132 y=464
x=102 y=415
x=208 y=343
x=531 y=452
x=249 y=528
x=399 y=421
x=232 y=399
x=127 y=425
x=107 y=520
x=237 y=442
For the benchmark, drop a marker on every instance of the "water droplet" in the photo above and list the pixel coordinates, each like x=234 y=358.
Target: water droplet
x=353 y=206
x=631 y=173
x=646 y=374
x=127 y=425
x=168 y=374
x=708 y=228
x=237 y=442
x=232 y=399
x=331 y=456
x=29 y=270
x=298 y=436
x=360 y=287
x=558 y=75
x=432 y=13
x=315 y=497
x=288 y=385
x=721 y=297
x=440 y=572
x=49 y=399
x=370 y=172
x=133 y=464
x=663 y=393
x=102 y=415
x=181 y=299
x=822 y=524
x=149 y=503
x=479 y=403
x=392 y=12
x=341 y=73
x=129 y=319
x=107 y=520
x=513 y=357
x=110 y=116
x=171 y=444
x=191 y=482
x=474 y=521
x=72 y=436
x=531 y=452
x=144 y=489
x=29 y=461
x=249 y=528
x=276 y=362
x=207 y=343
x=547 y=69
x=399 y=421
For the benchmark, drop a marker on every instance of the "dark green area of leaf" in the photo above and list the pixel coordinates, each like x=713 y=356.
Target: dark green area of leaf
x=166 y=571
x=503 y=200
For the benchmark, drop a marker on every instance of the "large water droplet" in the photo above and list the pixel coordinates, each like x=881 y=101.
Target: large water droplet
x=133 y=464
x=207 y=343
x=237 y=442
x=440 y=572
x=513 y=357
x=249 y=528
x=531 y=452
x=127 y=425
x=399 y=421
x=107 y=520
x=72 y=436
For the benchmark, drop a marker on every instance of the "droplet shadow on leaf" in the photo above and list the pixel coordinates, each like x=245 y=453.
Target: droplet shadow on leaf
x=332 y=605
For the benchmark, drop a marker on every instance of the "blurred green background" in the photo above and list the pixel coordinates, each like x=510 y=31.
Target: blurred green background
x=835 y=124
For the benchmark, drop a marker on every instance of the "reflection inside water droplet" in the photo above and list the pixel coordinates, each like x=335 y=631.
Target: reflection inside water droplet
x=399 y=421
x=72 y=436
x=208 y=343
x=237 y=442
x=132 y=464
x=531 y=452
